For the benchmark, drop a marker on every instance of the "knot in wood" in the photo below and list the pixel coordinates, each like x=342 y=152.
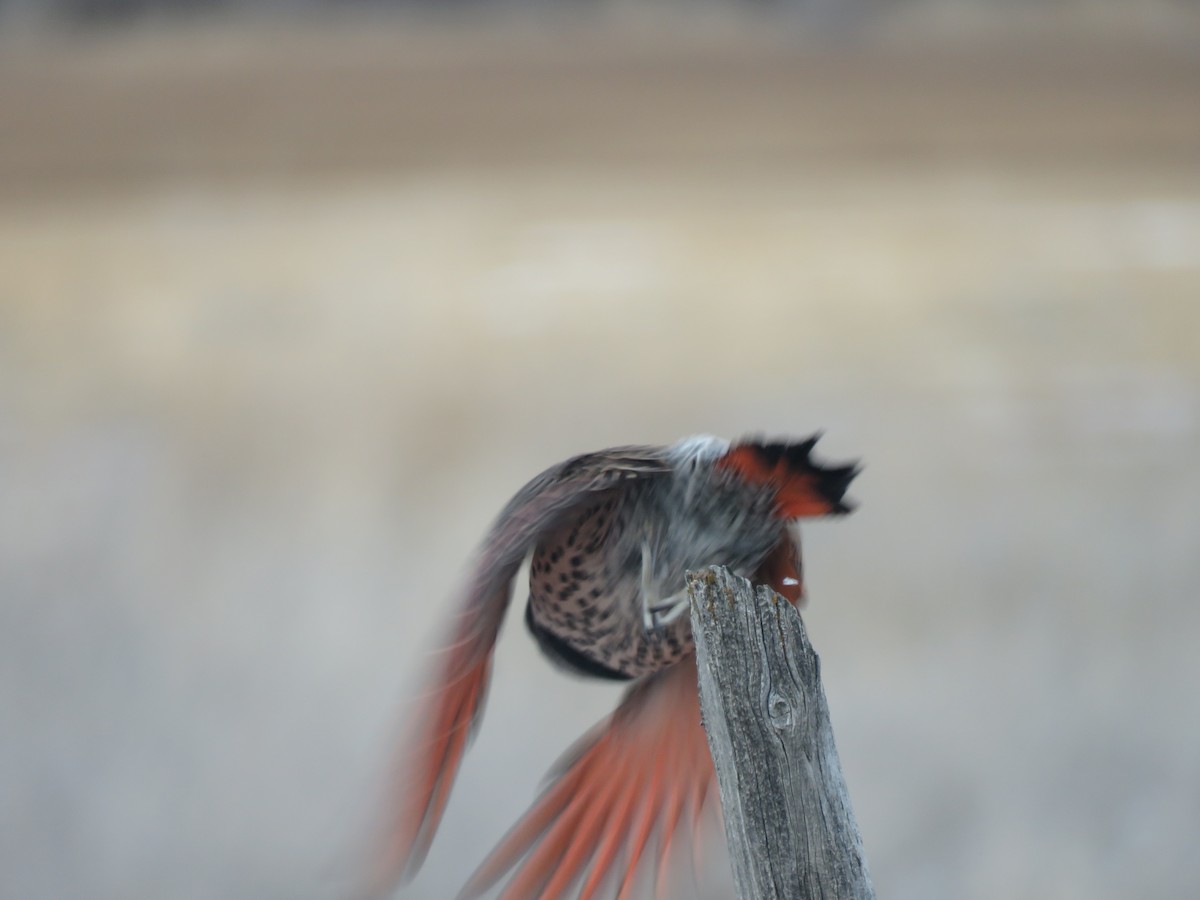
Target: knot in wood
x=779 y=711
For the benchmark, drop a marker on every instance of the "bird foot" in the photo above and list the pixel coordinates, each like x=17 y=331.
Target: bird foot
x=663 y=613
x=656 y=613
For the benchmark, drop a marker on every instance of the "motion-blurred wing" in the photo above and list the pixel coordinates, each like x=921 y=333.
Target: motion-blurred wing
x=644 y=771
x=783 y=569
x=454 y=702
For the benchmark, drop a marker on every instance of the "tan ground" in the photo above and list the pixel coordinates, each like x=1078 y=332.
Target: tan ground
x=285 y=317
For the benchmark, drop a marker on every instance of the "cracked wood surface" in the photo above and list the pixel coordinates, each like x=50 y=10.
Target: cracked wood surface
x=788 y=819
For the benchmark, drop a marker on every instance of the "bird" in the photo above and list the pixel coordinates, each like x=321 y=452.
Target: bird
x=610 y=536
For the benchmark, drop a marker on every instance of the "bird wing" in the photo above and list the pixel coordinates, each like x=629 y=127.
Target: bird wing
x=783 y=569
x=644 y=770
x=452 y=706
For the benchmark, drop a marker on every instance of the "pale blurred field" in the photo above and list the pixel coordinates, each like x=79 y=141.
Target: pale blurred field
x=286 y=317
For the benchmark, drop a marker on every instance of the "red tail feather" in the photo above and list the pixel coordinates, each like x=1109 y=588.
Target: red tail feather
x=804 y=487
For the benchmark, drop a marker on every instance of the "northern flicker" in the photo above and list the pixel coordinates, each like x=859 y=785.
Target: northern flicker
x=612 y=535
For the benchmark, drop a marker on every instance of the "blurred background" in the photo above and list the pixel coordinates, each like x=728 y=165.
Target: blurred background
x=294 y=296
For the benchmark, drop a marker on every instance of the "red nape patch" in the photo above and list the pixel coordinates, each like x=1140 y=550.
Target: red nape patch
x=804 y=488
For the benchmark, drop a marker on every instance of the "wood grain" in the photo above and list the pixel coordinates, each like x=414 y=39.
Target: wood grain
x=788 y=819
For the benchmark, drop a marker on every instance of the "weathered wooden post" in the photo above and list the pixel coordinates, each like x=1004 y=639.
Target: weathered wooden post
x=791 y=831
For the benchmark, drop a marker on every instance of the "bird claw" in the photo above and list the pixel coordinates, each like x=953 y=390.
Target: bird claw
x=658 y=614
x=663 y=613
